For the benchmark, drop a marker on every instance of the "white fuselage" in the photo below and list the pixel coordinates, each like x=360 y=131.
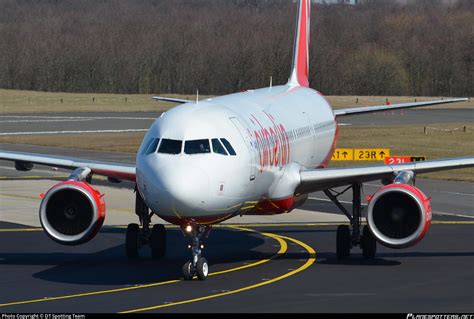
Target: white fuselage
x=274 y=132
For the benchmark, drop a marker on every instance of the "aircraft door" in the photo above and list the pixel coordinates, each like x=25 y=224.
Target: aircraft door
x=312 y=140
x=248 y=142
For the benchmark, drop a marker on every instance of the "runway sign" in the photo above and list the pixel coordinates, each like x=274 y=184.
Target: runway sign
x=403 y=159
x=371 y=154
x=360 y=154
x=343 y=154
x=418 y=158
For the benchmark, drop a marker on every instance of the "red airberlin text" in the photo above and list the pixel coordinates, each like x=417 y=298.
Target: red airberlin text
x=272 y=143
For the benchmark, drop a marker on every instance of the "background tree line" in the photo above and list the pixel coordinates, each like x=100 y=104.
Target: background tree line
x=162 y=46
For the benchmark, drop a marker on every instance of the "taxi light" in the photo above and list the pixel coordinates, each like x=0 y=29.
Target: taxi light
x=188 y=228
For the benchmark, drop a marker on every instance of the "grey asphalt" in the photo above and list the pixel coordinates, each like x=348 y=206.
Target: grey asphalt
x=435 y=276
x=412 y=116
x=76 y=122
x=59 y=123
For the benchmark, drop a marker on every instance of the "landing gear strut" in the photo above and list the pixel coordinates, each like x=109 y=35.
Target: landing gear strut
x=197 y=265
x=137 y=237
x=349 y=237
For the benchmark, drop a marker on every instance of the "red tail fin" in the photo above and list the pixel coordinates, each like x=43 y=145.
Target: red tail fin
x=300 y=66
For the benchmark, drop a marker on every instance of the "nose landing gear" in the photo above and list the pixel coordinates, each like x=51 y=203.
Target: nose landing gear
x=197 y=265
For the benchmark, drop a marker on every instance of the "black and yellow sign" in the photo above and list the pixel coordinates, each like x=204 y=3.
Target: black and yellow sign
x=360 y=154
x=371 y=154
x=343 y=154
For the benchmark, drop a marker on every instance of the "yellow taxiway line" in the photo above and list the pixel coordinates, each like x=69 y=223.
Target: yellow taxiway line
x=310 y=260
x=283 y=248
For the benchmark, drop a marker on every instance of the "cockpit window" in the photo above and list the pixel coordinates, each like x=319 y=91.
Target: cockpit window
x=152 y=146
x=197 y=147
x=168 y=146
x=217 y=147
x=228 y=146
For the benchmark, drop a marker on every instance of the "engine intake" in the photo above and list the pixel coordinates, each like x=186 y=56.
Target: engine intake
x=72 y=212
x=399 y=215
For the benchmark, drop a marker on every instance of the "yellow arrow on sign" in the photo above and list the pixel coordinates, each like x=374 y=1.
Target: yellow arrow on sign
x=371 y=154
x=343 y=154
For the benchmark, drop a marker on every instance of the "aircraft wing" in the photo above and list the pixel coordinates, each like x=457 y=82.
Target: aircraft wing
x=367 y=109
x=25 y=161
x=171 y=99
x=319 y=179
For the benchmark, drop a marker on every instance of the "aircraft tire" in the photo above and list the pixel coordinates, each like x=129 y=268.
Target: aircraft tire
x=188 y=271
x=158 y=241
x=132 y=241
x=368 y=243
x=343 y=242
x=202 y=268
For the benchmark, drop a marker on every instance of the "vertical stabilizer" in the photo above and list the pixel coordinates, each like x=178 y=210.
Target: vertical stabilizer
x=300 y=65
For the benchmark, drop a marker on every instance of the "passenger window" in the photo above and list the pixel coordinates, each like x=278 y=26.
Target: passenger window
x=168 y=146
x=197 y=147
x=228 y=146
x=217 y=147
x=152 y=146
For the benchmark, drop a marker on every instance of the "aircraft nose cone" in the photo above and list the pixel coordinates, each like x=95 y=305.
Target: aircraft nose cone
x=186 y=187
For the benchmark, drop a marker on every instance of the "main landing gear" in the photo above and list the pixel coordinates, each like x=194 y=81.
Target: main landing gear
x=197 y=265
x=137 y=237
x=350 y=236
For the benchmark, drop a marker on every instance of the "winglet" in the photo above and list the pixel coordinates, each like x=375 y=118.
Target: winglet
x=300 y=65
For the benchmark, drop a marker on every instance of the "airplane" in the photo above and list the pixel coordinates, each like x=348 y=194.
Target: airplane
x=258 y=152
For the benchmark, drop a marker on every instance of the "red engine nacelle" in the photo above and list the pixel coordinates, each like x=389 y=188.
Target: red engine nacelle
x=72 y=212
x=399 y=215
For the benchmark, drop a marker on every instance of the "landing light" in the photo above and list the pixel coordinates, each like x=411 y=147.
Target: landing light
x=188 y=228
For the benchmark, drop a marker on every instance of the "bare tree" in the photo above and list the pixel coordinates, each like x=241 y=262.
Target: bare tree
x=159 y=46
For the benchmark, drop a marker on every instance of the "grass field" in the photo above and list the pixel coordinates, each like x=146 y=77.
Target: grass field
x=15 y=101
x=407 y=140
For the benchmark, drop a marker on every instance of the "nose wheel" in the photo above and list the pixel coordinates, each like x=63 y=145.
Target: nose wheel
x=201 y=269
x=198 y=265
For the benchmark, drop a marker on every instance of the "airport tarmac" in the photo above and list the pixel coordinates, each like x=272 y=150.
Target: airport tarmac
x=283 y=263
x=254 y=268
x=70 y=123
